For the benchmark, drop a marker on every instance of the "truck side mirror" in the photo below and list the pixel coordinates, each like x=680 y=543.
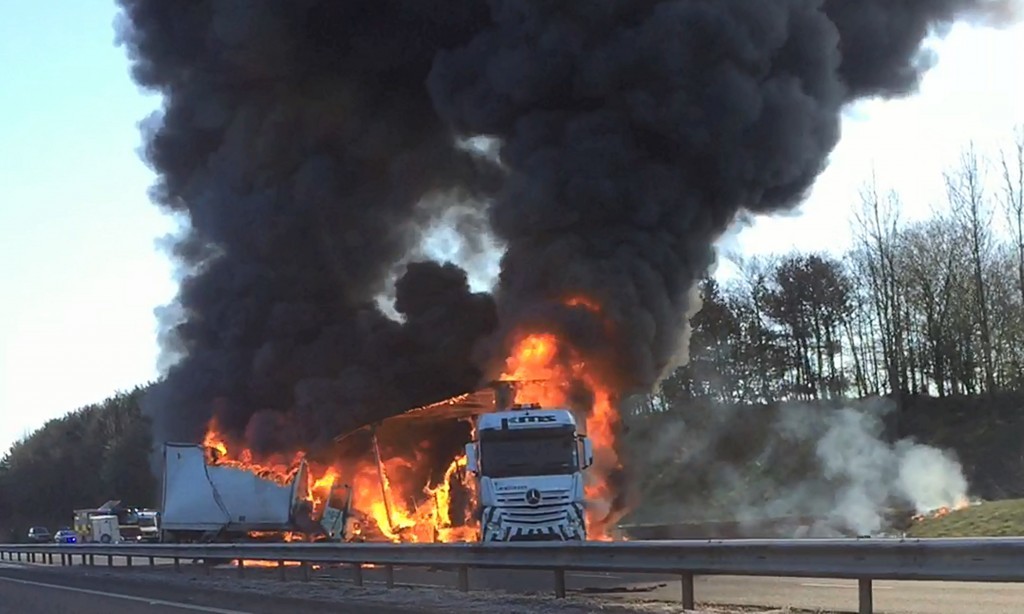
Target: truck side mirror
x=472 y=462
x=588 y=452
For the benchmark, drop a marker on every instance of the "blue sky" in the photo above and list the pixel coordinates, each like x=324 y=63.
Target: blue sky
x=78 y=264
x=77 y=261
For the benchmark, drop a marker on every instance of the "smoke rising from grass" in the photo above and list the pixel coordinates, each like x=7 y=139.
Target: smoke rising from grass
x=796 y=461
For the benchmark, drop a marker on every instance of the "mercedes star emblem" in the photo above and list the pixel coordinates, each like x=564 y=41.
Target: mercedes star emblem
x=533 y=496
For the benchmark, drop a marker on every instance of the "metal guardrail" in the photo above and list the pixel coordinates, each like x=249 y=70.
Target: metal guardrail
x=760 y=528
x=980 y=560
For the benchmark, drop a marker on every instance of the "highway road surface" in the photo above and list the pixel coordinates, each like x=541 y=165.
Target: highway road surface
x=27 y=589
x=810 y=594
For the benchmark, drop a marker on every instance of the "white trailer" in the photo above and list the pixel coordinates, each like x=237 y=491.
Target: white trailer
x=104 y=529
x=209 y=502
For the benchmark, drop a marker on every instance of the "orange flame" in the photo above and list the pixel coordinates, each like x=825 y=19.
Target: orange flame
x=278 y=468
x=584 y=302
x=410 y=520
x=545 y=369
x=946 y=510
x=265 y=563
x=391 y=507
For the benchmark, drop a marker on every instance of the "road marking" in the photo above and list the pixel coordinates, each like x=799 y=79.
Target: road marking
x=150 y=601
x=826 y=585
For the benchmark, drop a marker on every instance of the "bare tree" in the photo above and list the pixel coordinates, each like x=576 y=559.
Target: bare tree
x=931 y=276
x=860 y=339
x=969 y=205
x=1012 y=163
x=1007 y=311
x=876 y=229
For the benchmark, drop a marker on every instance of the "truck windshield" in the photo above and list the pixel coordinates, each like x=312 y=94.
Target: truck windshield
x=528 y=452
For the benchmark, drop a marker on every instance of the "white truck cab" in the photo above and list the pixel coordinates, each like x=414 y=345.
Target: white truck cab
x=528 y=463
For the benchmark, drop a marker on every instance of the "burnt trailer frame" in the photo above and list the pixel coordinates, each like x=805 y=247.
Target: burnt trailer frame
x=498 y=395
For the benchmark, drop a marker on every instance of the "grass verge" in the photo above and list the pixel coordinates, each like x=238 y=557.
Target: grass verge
x=987 y=519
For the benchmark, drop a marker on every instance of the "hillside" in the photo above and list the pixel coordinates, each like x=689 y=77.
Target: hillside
x=701 y=461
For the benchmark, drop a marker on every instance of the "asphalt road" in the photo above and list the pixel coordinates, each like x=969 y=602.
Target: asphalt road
x=30 y=589
x=810 y=594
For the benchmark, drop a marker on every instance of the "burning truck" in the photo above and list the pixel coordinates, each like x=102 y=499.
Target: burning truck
x=520 y=460
x=206 y=501
x=519 y=478
x=529 y=462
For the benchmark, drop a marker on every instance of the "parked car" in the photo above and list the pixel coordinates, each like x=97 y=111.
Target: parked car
x=66 y=536
x=38 y=535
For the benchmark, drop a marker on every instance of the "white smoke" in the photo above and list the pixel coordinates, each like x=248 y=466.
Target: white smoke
x=871 y=474
x=931 y=478
x=830 y=464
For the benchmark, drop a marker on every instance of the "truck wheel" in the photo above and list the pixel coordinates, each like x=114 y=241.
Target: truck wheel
x=105 y=538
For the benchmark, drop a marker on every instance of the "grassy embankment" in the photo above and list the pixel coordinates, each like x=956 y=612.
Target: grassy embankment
x=988 y=519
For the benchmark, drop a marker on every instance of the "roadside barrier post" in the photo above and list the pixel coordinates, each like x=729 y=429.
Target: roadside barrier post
x=866 y=600
x=686 y=582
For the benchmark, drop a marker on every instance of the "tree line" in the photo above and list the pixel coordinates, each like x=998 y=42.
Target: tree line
x=931 y=307
x=80 y=460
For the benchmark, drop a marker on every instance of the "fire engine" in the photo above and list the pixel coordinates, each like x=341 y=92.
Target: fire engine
x=116 y=523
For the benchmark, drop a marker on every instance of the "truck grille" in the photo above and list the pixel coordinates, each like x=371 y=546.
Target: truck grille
x=535 y=515
x=540 y=535
x=534 y=523
x=548 y=497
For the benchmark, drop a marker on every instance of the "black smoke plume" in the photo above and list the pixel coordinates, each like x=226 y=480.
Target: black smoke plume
x=635 y=131
x=301 y=138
